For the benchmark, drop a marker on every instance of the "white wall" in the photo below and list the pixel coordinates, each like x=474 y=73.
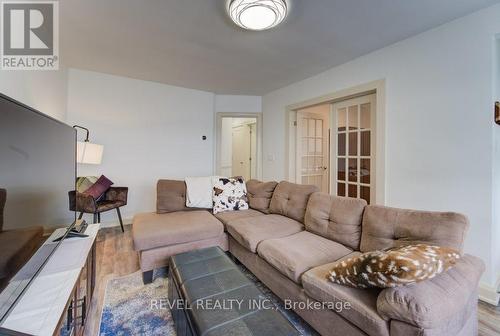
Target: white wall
x=238 y=104
x=42 y=90
x=149 y=131
x=439 y=131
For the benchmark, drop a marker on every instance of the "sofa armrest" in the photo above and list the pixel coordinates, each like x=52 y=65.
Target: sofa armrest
x=117 y=194
x=435 y=301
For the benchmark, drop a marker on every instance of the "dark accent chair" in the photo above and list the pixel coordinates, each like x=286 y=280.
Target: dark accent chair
x=114 y=198
x=16 y=246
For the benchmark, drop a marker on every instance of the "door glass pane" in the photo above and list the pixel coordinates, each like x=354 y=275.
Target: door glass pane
x=365 y=193
x=311 y=164
x=340 y=189
x=319 y=146
x=312 y=146
x=365 y=143
x=353 y=190
x=341 y=170
x=311 y=128
x=353 y=170
x=365 y=116
x=353 y=117
x=341 y=118
x=364 y=171
x=319 y=128
x=353 y=143
x=319 y=164
x=304 y=146
x=304 y=165
x=341 y=144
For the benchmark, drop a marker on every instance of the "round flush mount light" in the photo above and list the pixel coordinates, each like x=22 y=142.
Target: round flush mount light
x=257 y=14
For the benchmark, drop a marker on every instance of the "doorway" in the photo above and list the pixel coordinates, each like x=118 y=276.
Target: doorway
x=333 y=145
x=238 y=146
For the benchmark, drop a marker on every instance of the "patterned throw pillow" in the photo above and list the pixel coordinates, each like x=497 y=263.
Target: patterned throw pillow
x=229 y=194
x=394 y=267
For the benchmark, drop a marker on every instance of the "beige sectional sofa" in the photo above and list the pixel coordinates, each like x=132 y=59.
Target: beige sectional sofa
x=292 y=235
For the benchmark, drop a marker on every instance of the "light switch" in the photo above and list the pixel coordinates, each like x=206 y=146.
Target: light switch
x=271 y=157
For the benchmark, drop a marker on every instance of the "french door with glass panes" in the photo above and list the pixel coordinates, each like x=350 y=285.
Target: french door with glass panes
x=313 y=148
x=353 y=150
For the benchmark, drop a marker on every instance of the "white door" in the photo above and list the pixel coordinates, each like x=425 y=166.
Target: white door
x=353 y=148
x=312 y=160
x=241 y=165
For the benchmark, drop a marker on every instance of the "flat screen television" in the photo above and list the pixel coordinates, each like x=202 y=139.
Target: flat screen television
x=37 y=170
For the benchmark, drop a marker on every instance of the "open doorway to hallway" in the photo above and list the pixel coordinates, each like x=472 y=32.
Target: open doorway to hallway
x=238 y=147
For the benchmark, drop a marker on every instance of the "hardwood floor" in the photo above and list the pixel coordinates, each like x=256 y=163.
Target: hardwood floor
x=489 y=319
x=116 y=257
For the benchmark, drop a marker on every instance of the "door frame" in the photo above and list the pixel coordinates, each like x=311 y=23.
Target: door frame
x=375 y=87
x=218 y=131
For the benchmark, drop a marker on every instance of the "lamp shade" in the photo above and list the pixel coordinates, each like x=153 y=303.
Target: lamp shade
x=88 y=153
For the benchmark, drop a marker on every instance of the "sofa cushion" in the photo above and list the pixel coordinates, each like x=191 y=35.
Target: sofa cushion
x=152 y=230
x=250 y=231
x=260 y=194
x=229 y=216
x=295 y=254
x=290 y=200
x=363 y=302
x=335 y=218
x=385 y=227
x=436 y=301
x=170 y=196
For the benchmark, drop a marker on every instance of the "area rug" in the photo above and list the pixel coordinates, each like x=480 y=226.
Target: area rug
x=127 y=307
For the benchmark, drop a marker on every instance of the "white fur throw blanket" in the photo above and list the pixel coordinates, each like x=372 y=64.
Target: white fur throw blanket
x=199 y=191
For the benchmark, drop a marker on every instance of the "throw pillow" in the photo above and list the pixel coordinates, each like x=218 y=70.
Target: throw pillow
x=100 y=187
x=199 y=191
x=394 y=267
x=85 y=182
x=229 y=194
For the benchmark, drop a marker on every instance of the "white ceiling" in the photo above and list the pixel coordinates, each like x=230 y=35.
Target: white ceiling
x=192 y=43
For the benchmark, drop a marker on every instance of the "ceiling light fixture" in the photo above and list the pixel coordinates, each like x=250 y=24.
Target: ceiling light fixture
x=257 y=14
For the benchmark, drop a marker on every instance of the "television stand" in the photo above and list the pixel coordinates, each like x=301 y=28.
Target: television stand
x=58 y=300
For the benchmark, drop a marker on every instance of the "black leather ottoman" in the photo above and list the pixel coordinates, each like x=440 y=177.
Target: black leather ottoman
x=210 y=296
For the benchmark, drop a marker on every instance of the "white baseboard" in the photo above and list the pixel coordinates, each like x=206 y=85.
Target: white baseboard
x=126 y=221
x=488 y=294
